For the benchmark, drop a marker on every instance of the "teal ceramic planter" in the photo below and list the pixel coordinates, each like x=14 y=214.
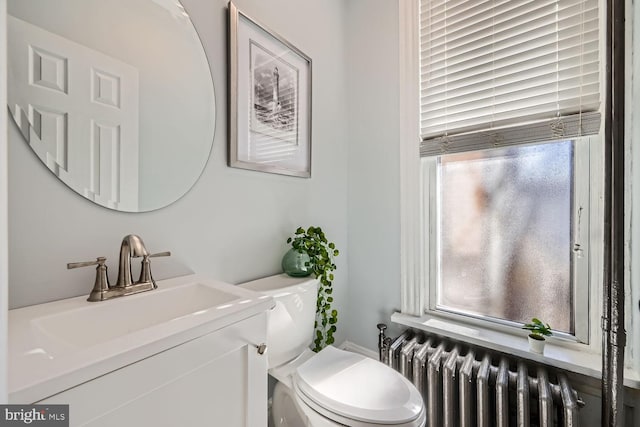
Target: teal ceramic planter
x=295 y=263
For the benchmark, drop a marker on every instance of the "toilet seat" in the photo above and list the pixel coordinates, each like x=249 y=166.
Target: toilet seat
x=357 y=391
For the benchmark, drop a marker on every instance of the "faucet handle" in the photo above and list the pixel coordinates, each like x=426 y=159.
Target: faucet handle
x=98 y=261
x=145 y=272
x=101 y=284
x=166 y=253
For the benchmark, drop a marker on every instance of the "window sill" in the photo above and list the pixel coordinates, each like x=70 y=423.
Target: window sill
x=571 y=357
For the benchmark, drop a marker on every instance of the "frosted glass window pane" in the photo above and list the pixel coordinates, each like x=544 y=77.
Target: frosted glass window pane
x=504 y=234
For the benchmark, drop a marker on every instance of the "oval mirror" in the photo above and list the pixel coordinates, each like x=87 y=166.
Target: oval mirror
x=115 y=97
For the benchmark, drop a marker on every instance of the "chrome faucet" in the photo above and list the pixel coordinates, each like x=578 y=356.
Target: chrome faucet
x=132 y=247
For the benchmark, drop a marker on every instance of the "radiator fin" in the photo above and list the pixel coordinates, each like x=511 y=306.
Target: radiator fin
x=467 y=391
x=502 y=394
x=434 y=388
x=523 y=395
x=483 y=392
x=545 y=399
x=450 y=389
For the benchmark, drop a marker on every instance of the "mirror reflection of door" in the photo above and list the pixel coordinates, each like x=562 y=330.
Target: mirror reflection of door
x=64 y=95
x=114 y=97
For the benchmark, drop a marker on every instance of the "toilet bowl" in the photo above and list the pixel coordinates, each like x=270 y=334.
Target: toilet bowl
x=333 y=387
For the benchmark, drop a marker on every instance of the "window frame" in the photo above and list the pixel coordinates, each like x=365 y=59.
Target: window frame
x=581 y=194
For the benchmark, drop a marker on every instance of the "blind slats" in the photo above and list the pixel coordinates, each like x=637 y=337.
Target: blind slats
x=499 y=34
x=498 y=70
x=535 y=84
x=539 y=34
x=500 y=63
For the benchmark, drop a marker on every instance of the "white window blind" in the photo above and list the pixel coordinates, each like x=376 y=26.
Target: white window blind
x=499 y=72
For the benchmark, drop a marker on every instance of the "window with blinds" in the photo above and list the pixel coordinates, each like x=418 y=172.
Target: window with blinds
x=503 y=72
x=509 y=123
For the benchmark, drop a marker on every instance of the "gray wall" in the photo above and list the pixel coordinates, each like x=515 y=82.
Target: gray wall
x=4 y=162
x=233 y=224
x=374 y=175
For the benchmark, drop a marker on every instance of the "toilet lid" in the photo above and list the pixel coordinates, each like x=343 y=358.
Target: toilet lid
x=358 y=388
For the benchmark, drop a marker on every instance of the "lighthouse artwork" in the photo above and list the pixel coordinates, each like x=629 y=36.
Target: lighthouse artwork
x=269 y=100
x=274 y=109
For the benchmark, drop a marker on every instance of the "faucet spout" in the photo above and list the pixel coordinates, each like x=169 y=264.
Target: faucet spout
x=132 y=247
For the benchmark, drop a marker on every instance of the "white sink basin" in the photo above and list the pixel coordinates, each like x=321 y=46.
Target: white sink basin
x=57 y=345
x=104 y=321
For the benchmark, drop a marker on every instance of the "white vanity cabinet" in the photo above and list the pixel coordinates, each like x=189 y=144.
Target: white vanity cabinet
x=185 y=354
x=218 y=379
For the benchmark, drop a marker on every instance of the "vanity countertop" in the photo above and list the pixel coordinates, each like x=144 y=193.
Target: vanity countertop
x=57 y=345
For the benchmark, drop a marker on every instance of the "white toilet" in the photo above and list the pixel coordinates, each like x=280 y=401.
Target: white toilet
x=333 y=387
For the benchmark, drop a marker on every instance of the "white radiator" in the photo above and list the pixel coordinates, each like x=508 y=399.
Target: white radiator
x=466 y=386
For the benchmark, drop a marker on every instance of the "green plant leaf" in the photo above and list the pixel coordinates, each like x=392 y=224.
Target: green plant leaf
x=537 y=327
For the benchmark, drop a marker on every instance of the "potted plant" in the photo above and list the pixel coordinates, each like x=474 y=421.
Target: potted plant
x=311 y=252
x=539 y=330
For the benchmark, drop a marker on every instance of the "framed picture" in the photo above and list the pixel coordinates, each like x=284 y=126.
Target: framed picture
x=269 y=100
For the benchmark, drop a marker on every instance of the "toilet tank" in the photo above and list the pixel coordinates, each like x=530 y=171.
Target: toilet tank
x=290 y=327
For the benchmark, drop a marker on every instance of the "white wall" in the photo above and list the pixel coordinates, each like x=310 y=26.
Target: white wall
x=234 y=223
x=374 y=175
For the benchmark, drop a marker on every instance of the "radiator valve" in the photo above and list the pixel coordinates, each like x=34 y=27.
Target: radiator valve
x=383 y=344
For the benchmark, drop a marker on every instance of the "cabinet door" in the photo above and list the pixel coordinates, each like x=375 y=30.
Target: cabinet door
x=215 y=380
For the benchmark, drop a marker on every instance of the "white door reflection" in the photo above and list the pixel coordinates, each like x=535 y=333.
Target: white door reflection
x=64 y=94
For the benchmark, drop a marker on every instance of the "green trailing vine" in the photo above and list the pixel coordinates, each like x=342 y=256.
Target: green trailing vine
x=321 y=253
